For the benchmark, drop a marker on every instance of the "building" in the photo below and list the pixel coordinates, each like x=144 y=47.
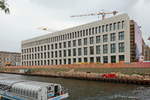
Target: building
x=146 y=53
x=106 y=41
x=10 y=58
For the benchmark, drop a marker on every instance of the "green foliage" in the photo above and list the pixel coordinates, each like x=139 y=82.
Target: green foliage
x=4 y=6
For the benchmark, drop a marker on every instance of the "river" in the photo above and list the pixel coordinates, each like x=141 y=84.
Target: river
x=93 y=90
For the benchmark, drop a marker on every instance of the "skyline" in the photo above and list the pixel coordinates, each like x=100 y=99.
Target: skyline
x=26 y=16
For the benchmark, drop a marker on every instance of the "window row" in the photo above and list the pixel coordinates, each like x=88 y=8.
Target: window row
x=77 y=51
x=104 y=59
x=78 y=42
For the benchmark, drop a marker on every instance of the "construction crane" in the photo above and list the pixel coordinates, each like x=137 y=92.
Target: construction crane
x=103 y=14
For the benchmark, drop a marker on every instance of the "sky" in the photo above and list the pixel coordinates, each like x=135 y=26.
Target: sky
x=28 y=16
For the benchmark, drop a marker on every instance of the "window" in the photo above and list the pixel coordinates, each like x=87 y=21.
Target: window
x=69 y=61
x=64 y=61
x=83 y=32
x=105 y=48
x=52 y=54
x=55 y=53
x=64 y=44
x=114 y=26
x=79 y=52
x=91 y=59
x=121 y=47
x=74 y=43
x=74 y=52
x=89 y=31
x=121 y=58
x=105 y=59
x=98 y=49
x=85 y=59
x=85 y=41
x=44 y=47
x=85 y=50
x=99 y=29
x=69 y=43
x=69 y=52
x=91 y=40
x=119 y=25
x=105 y=38
x=121 y=35
x=93 y=30
x=52 y=47
x=86 y=32
x=79 y=59
x=113 y=48
x=55 y=45
x=60 y=45
x=48 y=47
x=74 y=60
x=110 y=27
x=103 y=28
x=41 y=48
x=107 y=28
x=44 y=54
x=98 y=59
x=113 y=59
x=79 y=42
x=112 y=36
x=98 y=39
x=60 y=54
x=91 y=50
x=64 y=53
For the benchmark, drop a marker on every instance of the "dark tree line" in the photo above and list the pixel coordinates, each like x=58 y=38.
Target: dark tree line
x=4 y=6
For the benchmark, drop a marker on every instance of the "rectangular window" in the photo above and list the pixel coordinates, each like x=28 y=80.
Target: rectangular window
x=105 y=38
x=64 y=44
x=85 y=50
x=64 y=53
x=119 y=25
x=60 y=45
x=112 y=36
x=121 y=35
x=91 y=40
x=79 y=59
x=85 y=59
x=79 y=51
x=55 y=45
x=103 y=28
x=83 y=32
x=107 y=28
x=105 y=59
x=69 y=43
x=86 y=32
x=60 y=55
x=98 y=59
x=89 y=31
x=114 y=26
x=79 y=42
x=92 y=50
x=85 y=41
x=74 y=52
x=113 y=48
x=122 y=24
x=98 y=49
x=113 y=59
x=93 y=30
x=69 y=52
x=105 y=49
x=74 y=43
x=121 y=47
x=74 y=60
x=121 y=58
x=110 y=27
x=98 y=39
x=99 y=29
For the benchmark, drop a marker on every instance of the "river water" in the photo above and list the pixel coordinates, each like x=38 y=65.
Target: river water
x=92 y=90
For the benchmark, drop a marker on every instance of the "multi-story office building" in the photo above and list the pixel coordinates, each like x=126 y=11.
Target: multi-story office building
x=147 y=53
x=10 y=58
x=106 y=41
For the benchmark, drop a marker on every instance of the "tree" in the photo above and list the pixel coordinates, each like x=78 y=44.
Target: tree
x=4 y=6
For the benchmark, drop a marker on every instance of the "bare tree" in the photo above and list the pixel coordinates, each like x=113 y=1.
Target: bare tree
x=4 y=6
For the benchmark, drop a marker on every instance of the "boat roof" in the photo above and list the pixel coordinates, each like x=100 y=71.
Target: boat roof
x=10 y=82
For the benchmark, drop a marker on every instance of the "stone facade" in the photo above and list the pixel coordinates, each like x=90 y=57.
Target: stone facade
x=104 y=41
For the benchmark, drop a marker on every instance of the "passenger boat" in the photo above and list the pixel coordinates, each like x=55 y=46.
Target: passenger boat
x=30 y=90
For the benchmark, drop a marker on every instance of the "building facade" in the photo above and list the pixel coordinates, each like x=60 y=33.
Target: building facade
x=146 y=53
x=106 y=41
x=10 y=58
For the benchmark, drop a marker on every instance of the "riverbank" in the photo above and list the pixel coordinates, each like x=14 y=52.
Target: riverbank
x=127 y=75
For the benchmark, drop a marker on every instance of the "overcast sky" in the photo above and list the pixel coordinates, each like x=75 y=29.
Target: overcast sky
x=26 y=16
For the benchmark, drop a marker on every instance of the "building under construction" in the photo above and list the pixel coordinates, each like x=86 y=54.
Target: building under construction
x=110 y=40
